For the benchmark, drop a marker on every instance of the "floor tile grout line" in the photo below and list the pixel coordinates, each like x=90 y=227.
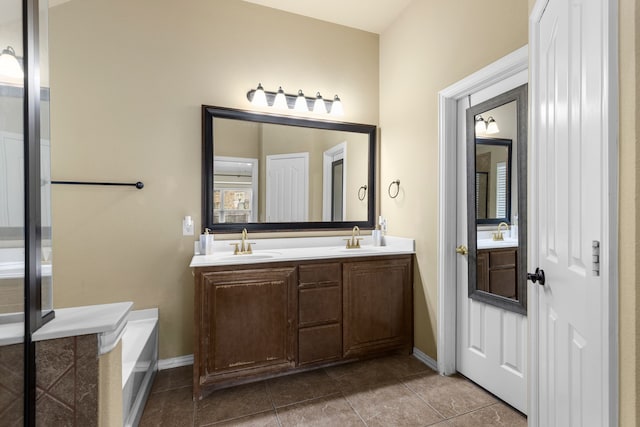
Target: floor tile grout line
x=425 y=402
x=273 y=405
x=353 y=409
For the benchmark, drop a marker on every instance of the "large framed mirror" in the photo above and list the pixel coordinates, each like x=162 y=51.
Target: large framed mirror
x=268 y=172
x=497 y=200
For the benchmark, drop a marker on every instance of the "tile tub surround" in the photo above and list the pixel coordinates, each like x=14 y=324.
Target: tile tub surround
x=302 y=248
x=68 y=350
x=394 y=390
x=66 y=386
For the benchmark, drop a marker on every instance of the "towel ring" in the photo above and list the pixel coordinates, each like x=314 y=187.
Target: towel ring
x=397 y=183
x=362 y=191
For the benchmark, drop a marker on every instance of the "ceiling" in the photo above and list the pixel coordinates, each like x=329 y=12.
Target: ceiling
x=368 y=15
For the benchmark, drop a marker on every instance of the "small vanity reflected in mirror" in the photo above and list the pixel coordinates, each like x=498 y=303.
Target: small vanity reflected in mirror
x=267 y=172
x=496 y=200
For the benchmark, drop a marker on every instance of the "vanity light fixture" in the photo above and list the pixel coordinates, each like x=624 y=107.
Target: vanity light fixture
x=336 y=107
x=492 y=126
x=259 y=98
x=489 y=126
x=281 y=100
x=481 y=126
x=301 y=103
x=9 y=64
x=318 y=105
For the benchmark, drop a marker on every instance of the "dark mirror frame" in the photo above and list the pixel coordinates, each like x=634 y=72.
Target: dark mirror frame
x=211 y=112
x=507 y=144
x=519 y=95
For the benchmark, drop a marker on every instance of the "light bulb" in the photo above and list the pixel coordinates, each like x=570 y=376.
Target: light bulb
x=492 y=126
x=9 y=65
x=259 y=97
x=280 y=102
x=319 y=105
x=301 y=103
x=481 y=126
x=336 y=107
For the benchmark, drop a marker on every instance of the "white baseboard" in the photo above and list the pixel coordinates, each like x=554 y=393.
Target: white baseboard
x=175 y=362
x=425 y=359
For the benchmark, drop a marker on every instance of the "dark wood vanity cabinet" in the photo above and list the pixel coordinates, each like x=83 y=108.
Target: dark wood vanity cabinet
x=253 y=323
x=378 y=306
x=245 y=322
x=498 y=271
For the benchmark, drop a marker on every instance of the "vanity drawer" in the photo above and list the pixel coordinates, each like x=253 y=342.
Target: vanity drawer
x=503 y=258
x=319 y=305
x=319 y=274
x=319 y=343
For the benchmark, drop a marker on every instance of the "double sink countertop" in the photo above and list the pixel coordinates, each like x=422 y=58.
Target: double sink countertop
x=302 y=248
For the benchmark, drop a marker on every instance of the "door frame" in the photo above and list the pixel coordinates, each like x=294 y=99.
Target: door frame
x=609 y=243
x=448 y=98
x=336 y=152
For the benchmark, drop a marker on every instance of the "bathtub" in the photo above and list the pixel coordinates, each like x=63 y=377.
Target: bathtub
x=139 y=362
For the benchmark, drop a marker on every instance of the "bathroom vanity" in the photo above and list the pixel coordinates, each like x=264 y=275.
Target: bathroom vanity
x=280 y=311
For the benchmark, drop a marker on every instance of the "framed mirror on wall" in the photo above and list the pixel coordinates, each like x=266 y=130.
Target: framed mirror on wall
x=268 y=172
x=497 y=201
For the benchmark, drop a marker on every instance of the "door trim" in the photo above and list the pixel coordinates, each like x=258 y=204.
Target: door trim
x=609 y=244
x=448 y=98
x=336 y=152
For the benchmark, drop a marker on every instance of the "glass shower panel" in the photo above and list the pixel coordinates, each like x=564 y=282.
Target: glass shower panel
x=12 y=242
x=45 y=162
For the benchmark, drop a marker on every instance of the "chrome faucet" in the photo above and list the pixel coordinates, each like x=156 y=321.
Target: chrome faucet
x=498 y=234
x=245 y=246
x=354 y=242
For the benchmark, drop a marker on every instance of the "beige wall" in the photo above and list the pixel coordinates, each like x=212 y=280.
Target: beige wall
x=432 y=45
x=629 y=261
x=127 y=82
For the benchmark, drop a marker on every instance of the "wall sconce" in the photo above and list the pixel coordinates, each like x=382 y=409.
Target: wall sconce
x=490 y=126
x=9 y=64
x=300 y=103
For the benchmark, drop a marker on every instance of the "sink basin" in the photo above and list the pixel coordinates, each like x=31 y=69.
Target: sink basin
x=363 y=249
x=250 y=257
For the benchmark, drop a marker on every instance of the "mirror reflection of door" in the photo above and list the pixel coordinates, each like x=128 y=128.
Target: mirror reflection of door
x=337 y=179
x=287 y=189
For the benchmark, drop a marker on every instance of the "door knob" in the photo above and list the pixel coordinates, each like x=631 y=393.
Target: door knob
x=462 y=250
x=538 y=276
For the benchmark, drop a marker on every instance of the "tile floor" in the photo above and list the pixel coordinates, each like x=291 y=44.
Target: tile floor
x=391 y=391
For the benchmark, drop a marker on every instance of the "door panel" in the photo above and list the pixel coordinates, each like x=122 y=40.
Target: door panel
x=491 y=343
x=569 y=122
x=287 y=193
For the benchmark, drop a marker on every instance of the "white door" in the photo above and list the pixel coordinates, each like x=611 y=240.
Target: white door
x=491 y=343
x=570 y=209
x=287 y=190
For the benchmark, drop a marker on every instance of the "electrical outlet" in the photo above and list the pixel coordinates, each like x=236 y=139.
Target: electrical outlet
x=187 y=226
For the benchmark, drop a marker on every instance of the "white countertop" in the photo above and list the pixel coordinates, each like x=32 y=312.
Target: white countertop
x=105 y=319
x=298 y=249
x=496 y=244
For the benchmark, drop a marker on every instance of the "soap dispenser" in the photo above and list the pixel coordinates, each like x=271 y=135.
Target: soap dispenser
x=206 y=243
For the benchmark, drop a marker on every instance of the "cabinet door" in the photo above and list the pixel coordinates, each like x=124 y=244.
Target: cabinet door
x=378 y=311
x=247 y=323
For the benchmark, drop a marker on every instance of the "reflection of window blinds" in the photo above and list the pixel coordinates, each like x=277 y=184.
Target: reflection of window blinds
x=501 y=189
x=477 y=195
